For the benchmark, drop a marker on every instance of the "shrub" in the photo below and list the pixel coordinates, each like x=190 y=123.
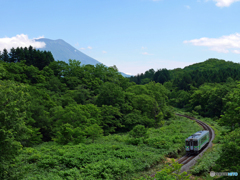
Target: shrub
x=138 y=132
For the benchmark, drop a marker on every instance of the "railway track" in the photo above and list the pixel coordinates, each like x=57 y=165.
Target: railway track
x=189 y=160
x=185 y=160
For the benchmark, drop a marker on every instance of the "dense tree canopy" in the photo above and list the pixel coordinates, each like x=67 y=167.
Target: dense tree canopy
x=44 y=100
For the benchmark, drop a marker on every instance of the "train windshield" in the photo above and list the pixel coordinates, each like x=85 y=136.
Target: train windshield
x=187 y=143
x=195 y=143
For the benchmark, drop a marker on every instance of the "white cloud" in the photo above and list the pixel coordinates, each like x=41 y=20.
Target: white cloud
x=128 y=73
x=39 y=37
x=224 y=3
x=77 y=44
x=82 y=48
x=146 y=53
x=144 y=47
x=188 y=7
x=20 y=41
x=222 y=44
x=89 y=47
x=236 y=51
x=104 y=52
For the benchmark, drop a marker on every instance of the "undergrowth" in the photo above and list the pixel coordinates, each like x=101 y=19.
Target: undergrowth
x=109 y=157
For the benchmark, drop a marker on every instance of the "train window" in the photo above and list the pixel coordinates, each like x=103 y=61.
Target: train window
x=204 y=138
x=187 y=143
x=195 y=143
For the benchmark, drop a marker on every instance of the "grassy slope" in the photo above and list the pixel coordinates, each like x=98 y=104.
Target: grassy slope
x=108 y=158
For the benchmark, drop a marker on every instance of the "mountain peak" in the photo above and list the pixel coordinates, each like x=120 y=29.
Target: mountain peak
x=63 y=51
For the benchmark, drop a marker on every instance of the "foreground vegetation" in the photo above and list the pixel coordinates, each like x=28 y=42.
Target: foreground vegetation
x=118 y=156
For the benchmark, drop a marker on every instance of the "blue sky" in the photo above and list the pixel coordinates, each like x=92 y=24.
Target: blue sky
x=134 y=35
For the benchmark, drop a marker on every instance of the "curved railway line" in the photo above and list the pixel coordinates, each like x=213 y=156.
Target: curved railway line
x=189 y=160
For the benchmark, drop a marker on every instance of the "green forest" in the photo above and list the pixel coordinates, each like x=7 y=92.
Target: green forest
x=70 y=121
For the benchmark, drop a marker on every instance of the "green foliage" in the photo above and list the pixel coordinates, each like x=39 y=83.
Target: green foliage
x=54 y=84
x=173 y=172
x=58 y=68
x=207 y=161
x=209 y=71
x=110 y=94
x=150 y=99
x=132 y=119
x=35 y=137
x=229 y=160
x=111 y=118
x=180 y=98
x=145 y=81
x=207 y=100
x=92 y=161
x=138 y=131
x=161 y=76
x=13 y=130
x=94 y=131
x=71 y=102
x=231 y=115
x=109 y=157
x=3 y=71
x=170 y=172
x=67 y=134
x=169 y=138
x=32 y=56
x=138 y=135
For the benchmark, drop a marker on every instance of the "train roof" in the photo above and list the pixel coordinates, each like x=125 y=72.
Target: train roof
x=198 y=135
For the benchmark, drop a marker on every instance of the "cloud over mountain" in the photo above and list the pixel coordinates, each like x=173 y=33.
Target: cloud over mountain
x=21 y=40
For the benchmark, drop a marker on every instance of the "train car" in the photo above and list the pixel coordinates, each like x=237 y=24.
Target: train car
x=197 y=141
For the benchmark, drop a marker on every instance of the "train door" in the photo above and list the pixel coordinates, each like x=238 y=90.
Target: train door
x=191 y=145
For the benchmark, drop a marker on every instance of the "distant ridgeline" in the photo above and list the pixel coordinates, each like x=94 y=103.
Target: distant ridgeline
x=32 y=56
x=209 y=71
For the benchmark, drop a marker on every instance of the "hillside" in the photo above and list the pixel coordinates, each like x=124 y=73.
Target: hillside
x=211 y=64
x=211 y=71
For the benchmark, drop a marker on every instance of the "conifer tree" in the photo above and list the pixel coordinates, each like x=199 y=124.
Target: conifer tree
x=5 y=56
x=12 y=55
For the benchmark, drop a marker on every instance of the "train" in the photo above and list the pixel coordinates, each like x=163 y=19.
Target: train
x=197 y=142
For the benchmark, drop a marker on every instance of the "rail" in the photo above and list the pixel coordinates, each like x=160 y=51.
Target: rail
x=189 y=160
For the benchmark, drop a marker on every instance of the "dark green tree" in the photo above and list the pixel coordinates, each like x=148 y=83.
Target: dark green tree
x=5 y=56
x=12 y=55
x=110 y=94
x=13 y=129
x=229 y=160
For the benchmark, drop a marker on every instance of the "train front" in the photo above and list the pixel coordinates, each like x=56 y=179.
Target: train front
x=191 y=145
